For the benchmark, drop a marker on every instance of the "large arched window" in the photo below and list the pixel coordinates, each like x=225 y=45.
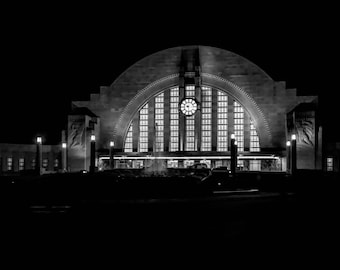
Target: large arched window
x=163 y=127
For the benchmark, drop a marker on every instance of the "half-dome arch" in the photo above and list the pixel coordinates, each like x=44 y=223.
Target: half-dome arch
x=207 y=79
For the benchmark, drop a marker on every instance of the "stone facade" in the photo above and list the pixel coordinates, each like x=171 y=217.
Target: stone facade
x=12 y=154
x=267 y=101
x=81 y=125
x=303 y=122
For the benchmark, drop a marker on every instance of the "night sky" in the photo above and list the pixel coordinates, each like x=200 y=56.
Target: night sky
x=52 y=55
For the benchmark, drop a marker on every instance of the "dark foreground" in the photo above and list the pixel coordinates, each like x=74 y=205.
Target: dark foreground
x=256 y=227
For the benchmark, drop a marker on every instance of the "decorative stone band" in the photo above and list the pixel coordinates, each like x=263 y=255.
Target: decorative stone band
x=214 y=81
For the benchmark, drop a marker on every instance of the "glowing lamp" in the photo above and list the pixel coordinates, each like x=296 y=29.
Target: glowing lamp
x=39 y=139
x=63 y=145
x=112 y=143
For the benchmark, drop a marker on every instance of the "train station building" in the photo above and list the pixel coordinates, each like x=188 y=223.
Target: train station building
x=181 y=106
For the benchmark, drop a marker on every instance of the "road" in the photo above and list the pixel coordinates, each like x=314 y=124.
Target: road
x=224 y=226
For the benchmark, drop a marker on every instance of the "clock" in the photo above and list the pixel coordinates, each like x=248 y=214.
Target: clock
x=188 y=106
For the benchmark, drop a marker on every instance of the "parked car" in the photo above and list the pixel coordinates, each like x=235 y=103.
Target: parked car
x=218 y=178
x=222 y=170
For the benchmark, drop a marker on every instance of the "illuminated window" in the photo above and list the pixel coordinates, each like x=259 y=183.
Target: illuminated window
x=33 y=163
x=21 y=164
x=222 y=121
x=188 y=162
x=128 y=147
x=190 y=122
x=329 y=164
x=255 y=165
x=190 y=91
x=56 y=163
x=218 y=163
x=190 y=133
x=45 y=163
x=240 y=164
x=172 y=163
x=143 y=128
x=206 y=119
x=254 y=139
x=9 y=163
x=239 y=125
x=174 y=119
x=159 y=123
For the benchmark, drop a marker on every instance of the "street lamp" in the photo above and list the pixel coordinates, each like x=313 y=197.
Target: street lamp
x=112 y=144
x=288 y=150
x=64 y=156
x=236 y=162
x=293 y=153
x=93 y=153
x=38 y=165
x=39 y=140
x=233 y=148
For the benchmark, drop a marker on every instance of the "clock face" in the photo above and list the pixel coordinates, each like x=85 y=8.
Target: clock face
x=188 y=106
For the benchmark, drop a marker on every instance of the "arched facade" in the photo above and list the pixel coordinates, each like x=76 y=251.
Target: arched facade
x=151 y=81
x=215 y=82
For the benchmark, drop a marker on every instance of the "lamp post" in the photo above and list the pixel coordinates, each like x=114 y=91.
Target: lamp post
x=233 y=155
x=93 y=153
x=293 y=153
x=64 y=156
x=288 y=150
x=38 y=164
x=236 y=163
x=112 y=144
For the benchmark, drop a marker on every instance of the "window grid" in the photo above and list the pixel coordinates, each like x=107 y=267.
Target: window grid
x=56 y=163
x=190 y=122
x=143 y=130
x=206 y=119
x=329 y=164
x=21 y=164
x=33 y=163
x=239 y=126
x=174 y=119
x=190 y=133
x=255 y=165
x=159 y=123
x=190 y=91
x=254 y=139
x=128 y=146
x=222 y=121
x=9 y=163
x=45 y=163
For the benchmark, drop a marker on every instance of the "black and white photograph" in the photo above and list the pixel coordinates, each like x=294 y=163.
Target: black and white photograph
x=169 y=134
